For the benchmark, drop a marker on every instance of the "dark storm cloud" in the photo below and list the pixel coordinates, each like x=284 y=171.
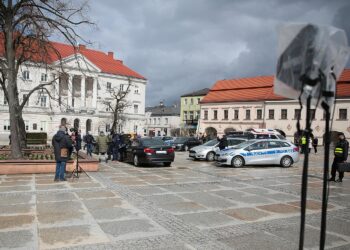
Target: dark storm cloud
x=187 y=45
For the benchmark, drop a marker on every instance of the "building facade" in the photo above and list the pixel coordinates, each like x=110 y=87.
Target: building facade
x=77 y=97
x=190 y=110
x=241 y=104
x=162 y=121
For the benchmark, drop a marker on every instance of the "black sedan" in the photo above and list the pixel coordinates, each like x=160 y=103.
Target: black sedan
x=149 y=150
x=185 y=143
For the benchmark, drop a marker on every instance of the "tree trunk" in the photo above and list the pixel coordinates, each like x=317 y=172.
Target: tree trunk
x=12 y=90
x=22 y=130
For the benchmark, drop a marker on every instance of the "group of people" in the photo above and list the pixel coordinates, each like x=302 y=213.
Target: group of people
x=308 y=145
x=113 y=145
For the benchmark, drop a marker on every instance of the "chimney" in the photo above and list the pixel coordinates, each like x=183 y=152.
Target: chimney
x=82 y=47
x=110 y=54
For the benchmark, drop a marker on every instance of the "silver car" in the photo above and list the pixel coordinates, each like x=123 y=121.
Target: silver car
x=260 y=152
x=208 y=150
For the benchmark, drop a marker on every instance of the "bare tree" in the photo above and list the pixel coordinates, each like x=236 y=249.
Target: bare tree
x=26 y=26
x=118 y=103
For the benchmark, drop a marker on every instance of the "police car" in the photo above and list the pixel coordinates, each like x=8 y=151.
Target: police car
x=260 y=152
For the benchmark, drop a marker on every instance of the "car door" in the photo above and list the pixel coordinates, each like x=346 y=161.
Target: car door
x=256 y=153
x=273 y=153
x=132 y=149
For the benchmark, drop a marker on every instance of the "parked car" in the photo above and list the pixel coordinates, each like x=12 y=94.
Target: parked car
x=149 y=150
x=208 y=150
x=168 y=140
x=257 y=134
x=185 y=143
x=260 y=152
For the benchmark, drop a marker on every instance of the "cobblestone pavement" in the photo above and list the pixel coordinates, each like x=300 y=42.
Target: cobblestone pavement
x=191 y=205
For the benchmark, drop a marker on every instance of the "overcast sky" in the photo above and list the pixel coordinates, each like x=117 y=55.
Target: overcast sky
x=185 y=45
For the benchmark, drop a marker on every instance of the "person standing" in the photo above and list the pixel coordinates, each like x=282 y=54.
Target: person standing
x=315 y=144
x=303 y=144
x=61 y=143
x=222 y=142
x=310 y=144
x=341 y=152
x=102 y=142
x=116 y=145
x=89 y=140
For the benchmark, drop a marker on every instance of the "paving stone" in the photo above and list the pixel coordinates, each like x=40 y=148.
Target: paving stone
x=130 y=229
x=17 y=209
x=258 y=240
x=206 y=219
x=182 y=207
x=208 y=200
x=311 y=204
x=165 y=198
x=279 y=208
x=56 y=186
x=253 y=199
x=246 y=214
x=231 y=194
x=148 y=190
x=343 y=247
x=16 y=183
x=281 y=197
x=339 y=226
x=60 y=212
x=93 y=204
x=95 y=194
x=291 y=233
x=58 y=237
x=84 y=185
x=13 y=221
x=113 y=213
x=15 y=188
x=23 y=239
x=17 y=198
x=47 y=197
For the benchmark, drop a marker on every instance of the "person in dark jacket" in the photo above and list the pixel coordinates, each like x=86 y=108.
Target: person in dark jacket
x=222 y=142
x=341 y=152
x=61 y=143
x=315 y=144
x=116 y=145
x=89 y=141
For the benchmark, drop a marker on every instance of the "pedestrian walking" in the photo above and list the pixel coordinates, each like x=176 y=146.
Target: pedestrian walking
x=89 y=141
x=61 y=143
x=110 y=145
x=315 y=144
x=341 y=151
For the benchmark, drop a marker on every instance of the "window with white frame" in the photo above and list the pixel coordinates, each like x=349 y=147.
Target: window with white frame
x=6 y=125
x=43 y=101
x=25 y=75
x=109 y=86
x=24 y=97
x=5 y=100
x=185 y=101
x=121 y=87
x=44 y=77
x=43 y=126
x=166 y=120
x=108 y=107
x=35 y=126
x=26 y=124
x=136 y=91
x=136 y=109
x=158 y=120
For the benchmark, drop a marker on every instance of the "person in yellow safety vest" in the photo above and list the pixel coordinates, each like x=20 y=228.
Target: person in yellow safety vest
x=304 y=144
x=341 y=152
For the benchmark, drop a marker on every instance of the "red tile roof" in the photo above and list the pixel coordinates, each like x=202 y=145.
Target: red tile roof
x=259 y=88
x=105 y=62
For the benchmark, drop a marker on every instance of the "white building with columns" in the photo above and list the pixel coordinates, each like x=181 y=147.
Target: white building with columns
x=78 y=96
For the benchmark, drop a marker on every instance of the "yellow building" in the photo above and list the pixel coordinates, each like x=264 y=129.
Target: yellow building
x=190 y=110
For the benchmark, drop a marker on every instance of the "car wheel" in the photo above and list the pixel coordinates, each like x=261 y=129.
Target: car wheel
x=136 y=161
x=186 y=148
x=167 y=164
x=286 y=161
x=237 y=162
x=210 y=156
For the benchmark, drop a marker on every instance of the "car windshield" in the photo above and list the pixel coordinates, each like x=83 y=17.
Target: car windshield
x=180 y=140
x=211 y=143
x=152 y=142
